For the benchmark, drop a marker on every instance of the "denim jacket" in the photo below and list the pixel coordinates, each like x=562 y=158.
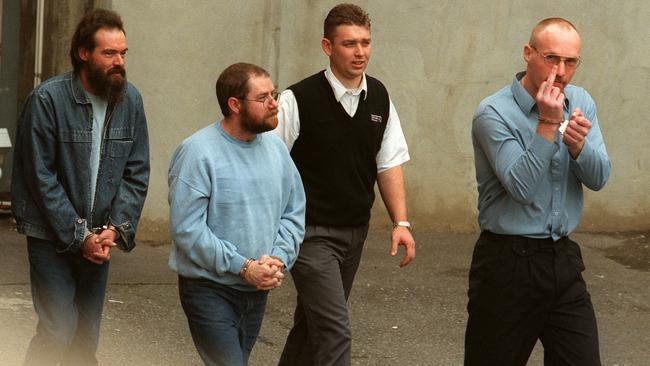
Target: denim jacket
x=50 y=187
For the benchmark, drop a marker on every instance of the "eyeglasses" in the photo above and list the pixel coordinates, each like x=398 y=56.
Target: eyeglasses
x=266 y=100
x=551 y=60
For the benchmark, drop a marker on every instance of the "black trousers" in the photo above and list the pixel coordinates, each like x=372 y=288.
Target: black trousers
x=522 y=290
x=323 y=274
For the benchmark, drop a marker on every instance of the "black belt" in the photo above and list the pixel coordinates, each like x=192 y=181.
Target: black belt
x=521 y=239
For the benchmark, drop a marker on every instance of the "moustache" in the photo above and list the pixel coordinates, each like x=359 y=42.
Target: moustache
x=117 y=70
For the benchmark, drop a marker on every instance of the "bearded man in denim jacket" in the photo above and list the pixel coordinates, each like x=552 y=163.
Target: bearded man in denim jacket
x=80 y=179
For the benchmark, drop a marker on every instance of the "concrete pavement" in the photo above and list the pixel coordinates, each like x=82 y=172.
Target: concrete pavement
x=411 y=316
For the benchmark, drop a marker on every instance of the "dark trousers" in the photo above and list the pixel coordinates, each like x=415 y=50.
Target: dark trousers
x=323 y=275
x=224 y=322
x=68 y=294
x=522 y=290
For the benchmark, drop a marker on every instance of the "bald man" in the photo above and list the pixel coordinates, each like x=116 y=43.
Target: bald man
x=536 y=145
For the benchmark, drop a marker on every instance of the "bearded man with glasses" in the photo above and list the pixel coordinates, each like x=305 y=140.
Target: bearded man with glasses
x=536 y=145
x=237 y=217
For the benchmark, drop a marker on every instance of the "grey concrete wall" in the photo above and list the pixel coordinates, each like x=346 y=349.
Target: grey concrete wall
x=438 y=60
x=19 y=49
x=9 y=46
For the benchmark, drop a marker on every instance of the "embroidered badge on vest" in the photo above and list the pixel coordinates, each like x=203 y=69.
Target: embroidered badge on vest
x=375 y=118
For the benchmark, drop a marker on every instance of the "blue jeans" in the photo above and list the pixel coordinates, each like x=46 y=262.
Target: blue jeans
x=68 y=295
x=224 y=322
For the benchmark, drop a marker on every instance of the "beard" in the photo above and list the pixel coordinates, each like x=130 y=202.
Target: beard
x=256 y=126
x=107 y=86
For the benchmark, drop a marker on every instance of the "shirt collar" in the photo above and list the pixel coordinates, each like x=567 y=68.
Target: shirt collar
x=78 y=90
x=524 y=100
x=340 y=90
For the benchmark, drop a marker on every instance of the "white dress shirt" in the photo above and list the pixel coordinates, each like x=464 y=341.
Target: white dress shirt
x=393 y=151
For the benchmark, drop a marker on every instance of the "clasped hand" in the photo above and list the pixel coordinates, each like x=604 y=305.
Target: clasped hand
x=97 y=247
x=265 y=273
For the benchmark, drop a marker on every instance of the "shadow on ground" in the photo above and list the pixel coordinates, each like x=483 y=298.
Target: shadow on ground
x=634 y=251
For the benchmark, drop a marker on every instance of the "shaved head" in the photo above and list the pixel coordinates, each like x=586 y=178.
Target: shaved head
x=541 y=26
x=551 y=41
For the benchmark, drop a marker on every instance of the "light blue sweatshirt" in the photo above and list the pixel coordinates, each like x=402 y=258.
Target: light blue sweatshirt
x=231 y=200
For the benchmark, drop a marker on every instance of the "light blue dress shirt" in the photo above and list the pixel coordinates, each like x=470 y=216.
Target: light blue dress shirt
x=527 y=185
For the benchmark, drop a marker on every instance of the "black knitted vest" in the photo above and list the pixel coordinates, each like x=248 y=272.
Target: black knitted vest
x=336 y=153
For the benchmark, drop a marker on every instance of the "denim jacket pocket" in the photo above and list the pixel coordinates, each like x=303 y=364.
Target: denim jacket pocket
x=121 y=141
x=120 y=144
x=76 y=136
x=120 y=148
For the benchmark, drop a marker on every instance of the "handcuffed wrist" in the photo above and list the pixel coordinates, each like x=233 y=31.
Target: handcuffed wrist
x=87 y=234
x=113 y=229
x=244 y=268
x=126 y=234
x=550 y=121
x=98 y=230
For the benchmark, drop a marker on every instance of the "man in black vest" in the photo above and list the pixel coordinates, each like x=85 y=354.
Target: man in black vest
x=344 y=134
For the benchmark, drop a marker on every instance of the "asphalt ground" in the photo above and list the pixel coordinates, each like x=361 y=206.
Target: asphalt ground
x=410 y=316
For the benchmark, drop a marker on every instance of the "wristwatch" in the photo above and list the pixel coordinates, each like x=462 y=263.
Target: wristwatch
x=405 y=224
